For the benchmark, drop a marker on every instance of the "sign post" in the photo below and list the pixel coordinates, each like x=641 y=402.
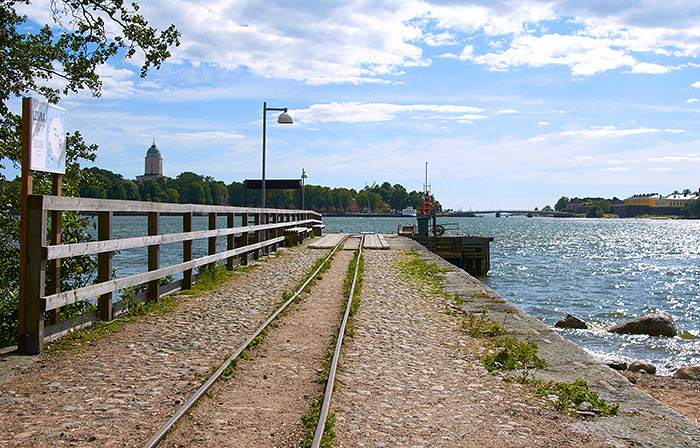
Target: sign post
x=43 y=149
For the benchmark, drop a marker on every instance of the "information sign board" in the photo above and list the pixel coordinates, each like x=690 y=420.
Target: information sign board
x=47 y=144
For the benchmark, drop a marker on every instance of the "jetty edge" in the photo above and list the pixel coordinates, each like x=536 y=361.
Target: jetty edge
x=643 y=420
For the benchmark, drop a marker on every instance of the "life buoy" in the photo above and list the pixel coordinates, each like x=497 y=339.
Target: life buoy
x=426 y=209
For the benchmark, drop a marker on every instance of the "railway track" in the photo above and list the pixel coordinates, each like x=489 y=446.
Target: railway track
x=160 y=435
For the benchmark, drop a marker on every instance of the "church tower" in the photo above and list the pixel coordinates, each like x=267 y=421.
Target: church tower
x=154 y=164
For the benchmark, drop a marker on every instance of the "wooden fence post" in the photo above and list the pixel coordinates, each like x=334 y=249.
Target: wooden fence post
x=212 y=239
x=153 y=256
x=54 y=266
x=187 y=250
x=230 y=242
x=258 y=235
x=104 y=265
x=33 y=340
x=275 y=232
x=244 y=239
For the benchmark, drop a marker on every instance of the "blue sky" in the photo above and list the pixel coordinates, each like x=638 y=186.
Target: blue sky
x=512 y=103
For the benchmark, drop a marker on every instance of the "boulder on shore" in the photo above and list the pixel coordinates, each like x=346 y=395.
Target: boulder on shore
x=571 y=322
x=688 y=373
x=642 y=366
x=660 y=324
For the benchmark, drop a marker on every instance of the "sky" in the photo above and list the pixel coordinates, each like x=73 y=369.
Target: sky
x=513 y=104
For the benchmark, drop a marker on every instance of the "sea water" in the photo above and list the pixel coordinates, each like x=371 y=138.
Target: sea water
x=604 y=271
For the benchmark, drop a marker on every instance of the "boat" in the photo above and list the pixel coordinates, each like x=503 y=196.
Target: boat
x=408 y=211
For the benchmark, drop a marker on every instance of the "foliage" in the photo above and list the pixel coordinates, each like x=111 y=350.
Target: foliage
x=481 y=327
x=576 y=393
x=594 y=212
x=514 y=354
x=310 y=420
x=210 y=276
x=692 y=209
x=84 y=35
x=562 y=204
x=547 y=208
x=604 y=205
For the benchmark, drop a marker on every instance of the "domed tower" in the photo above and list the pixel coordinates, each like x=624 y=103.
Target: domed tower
x=154 y=163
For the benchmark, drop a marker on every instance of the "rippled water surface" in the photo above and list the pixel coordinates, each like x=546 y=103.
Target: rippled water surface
x=603 y=271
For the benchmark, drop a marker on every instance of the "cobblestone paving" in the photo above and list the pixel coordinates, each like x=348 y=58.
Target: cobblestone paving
x=119 y=390
x=411 y=377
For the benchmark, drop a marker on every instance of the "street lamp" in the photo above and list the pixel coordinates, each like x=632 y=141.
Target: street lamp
x=303 y=176
x=284 y=118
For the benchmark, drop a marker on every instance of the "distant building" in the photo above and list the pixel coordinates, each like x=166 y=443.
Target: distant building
x=676 y=200
x=646 y=200
x=154 y=164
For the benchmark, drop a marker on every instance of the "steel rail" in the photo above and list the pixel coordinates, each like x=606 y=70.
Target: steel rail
x=157 y=437
x=325 y=406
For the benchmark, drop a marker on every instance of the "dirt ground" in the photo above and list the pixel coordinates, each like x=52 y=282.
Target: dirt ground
x=683 y=396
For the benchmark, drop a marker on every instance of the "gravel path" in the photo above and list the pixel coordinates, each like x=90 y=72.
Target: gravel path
x=262 y=405
x=411 y=377
x=118 y=390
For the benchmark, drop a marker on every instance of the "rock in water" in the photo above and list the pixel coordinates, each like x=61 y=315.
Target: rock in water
x=654 y=325
x=688 y=373
x=643 y=366
x=571 y=322
x=618 y=365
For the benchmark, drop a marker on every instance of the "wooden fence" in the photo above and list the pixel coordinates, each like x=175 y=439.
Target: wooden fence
x=269 y=229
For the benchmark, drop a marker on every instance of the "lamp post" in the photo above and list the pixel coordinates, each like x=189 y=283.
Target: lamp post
x=284 y=118
x=303 y=176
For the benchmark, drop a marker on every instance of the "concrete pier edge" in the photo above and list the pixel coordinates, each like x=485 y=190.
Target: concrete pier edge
x=643 y=421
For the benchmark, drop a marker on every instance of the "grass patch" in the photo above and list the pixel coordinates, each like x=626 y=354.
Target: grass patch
x=573 y=394
x=79 y=339
x=310 y=420
x=481 y=327
x=210 y=276
x=425 y=273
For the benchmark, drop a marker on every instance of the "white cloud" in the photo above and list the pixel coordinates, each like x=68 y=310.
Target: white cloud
x=696 y=84
x=507 y=112
x=653 y=69
x=583 y=55
x=544 y=123
x=612 y=131
x=692 y=100
x=210 y=135
x=355 y=112
x=616 y=169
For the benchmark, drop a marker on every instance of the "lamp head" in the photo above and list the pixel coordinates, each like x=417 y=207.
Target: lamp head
x=285 y=118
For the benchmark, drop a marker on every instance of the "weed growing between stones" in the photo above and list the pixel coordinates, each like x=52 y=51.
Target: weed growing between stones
x=481 y=327
x=514 y=354
x=571 y=395
x=310 y=420
x=210 y=276
x=428 y=274
x=79 y=339
x=522 y=356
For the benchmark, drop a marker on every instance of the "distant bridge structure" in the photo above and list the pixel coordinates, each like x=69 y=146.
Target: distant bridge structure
x=515 y=212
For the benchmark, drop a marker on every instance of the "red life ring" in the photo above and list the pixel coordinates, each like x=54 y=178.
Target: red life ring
x=426 y=209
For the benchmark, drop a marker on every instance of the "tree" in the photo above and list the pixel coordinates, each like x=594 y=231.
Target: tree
x=562 y=204
x=692 y=209
x=604 y=205
x=547 y=208
x=34 y=62
x=594 y=212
